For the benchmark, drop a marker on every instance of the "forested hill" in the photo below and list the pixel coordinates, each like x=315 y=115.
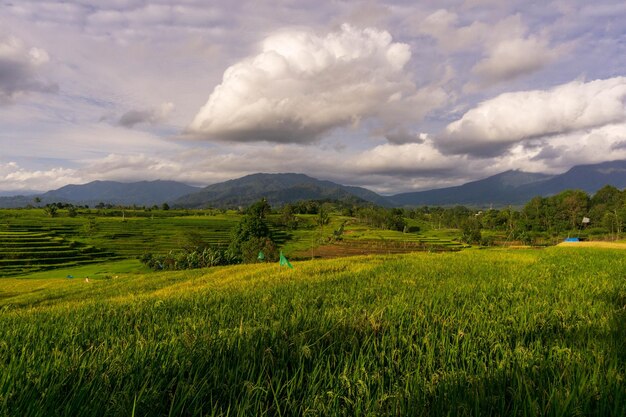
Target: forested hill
x=142 y=193
x=500 y=190
x=518 y=187
x=507 y=188
x=278 y=189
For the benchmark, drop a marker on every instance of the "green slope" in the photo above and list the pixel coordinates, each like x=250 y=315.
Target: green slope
x=470 y=333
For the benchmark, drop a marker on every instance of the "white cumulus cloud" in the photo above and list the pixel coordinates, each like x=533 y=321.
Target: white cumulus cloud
x=421 y=159
x=496 y=124
x=303 y=85
x=14 y=177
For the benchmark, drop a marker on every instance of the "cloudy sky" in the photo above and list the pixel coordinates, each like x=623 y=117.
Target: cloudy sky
x=391 y=95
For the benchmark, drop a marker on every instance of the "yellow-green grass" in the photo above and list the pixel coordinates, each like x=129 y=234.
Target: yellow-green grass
x=363 y=238
x=594 y=244
x=525 y=332
x=30 y=240
x=132 y=235
x=98 y=270
x=22 y=252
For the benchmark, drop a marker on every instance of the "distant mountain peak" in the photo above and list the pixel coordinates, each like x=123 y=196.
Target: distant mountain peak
x=518 y=187
x=278 y=188
x=508 y=187
x=141 y=193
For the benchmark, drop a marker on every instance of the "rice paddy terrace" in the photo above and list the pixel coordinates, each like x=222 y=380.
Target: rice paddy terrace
x=35 y=248
x=31 y=241
x=358 y=239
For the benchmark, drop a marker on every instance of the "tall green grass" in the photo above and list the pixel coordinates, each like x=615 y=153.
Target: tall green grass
x=526 y=333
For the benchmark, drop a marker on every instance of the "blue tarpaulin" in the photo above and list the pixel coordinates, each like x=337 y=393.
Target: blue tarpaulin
x=572 y=239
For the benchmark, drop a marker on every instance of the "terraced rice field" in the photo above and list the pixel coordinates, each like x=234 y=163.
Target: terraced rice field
x=33 y=241
x=26 y=251
x=30 y=241
x=311 y=241
x=361 y=240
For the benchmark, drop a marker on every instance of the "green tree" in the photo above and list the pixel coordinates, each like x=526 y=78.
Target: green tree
x=608 y=195
x=470 y=231
x=394 y=220
x=323 y=215
x=51 y=210
x=573 y=205
x=250 y=249
x=251 y=233
x=260 y=209
x=288 y=218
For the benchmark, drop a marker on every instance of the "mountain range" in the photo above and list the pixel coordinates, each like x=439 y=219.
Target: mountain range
x=278 y=189
x=506 y=188
x=142 y=193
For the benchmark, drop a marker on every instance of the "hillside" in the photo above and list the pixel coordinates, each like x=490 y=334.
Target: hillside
x=500 y=189
x=589 y=178
x=518 y=187
x=510 y=187
x=142 y=193
x=279 y=189
x=488 y=333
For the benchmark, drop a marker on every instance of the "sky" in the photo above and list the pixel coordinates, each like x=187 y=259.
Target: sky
x=395 y=96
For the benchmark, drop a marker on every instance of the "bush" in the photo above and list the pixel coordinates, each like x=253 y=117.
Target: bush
x=199 y=258
x=470 y=231
x=251 y=248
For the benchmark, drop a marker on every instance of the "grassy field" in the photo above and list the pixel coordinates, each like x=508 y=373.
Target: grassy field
x=311 y=241
x=490 y=333
x=32 y=241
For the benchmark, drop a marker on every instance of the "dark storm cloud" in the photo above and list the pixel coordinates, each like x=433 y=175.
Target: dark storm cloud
x=151 y=116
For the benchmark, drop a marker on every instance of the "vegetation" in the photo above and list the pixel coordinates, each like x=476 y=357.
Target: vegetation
x=470 y=231
x=252 y=235
x=66 y=235
x=198 y=258
x=541 y=221
x=495 y=332
x=490 y=333
x=31 y=240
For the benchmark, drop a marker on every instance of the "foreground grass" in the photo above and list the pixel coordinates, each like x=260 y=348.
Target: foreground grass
x=470 y=333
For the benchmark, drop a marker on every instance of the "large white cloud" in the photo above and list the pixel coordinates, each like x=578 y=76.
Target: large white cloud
x=20 y=69
x=420 y=159
x=302 y=85
x=14 y=177
x=509 y=118
x=134 y=54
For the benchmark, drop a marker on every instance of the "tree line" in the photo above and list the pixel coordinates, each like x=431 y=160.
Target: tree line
x=542 y=220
